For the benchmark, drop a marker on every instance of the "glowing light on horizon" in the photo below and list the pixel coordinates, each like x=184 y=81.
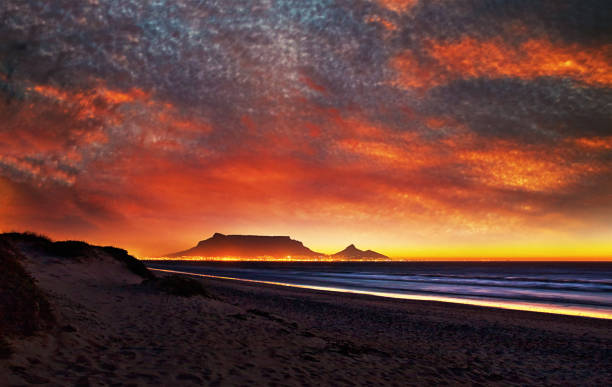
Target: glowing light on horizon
x=264 y=259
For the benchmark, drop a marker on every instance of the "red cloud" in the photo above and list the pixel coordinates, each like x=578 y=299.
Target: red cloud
x=495 y=58
x=317 y=166
x=398 y=5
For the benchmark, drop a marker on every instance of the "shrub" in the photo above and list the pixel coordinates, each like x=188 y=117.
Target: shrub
x=27 y=236
x=33 y=240
x=133 y=264
x=179 y=286
x=69 y=249
x=65 y=249
x=75 y=250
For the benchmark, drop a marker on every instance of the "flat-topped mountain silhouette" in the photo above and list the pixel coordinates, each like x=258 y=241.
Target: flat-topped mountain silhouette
x=260 y=246
x=352 y=252
x=248 y=246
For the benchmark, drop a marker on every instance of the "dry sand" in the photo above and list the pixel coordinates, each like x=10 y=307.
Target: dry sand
x=113 y=331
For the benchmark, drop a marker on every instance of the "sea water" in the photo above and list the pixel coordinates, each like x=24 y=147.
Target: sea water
x=558 y=286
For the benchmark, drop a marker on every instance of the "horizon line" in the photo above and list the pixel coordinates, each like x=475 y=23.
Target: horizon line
x=391 y=257
x=328 y=258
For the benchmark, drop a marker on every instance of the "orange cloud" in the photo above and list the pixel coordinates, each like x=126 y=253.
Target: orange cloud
x=412 y=74
x=40 y=171
x=376 y=150
x=364 y=175
x=94 y=103
x=516 y=169
x=595 y=143
x=400 y=152
x=495 y=58
x=101 y=103
x=115 y=97
x=532 y=59
x=398 y=6
x=388 y=24
x=505 y=165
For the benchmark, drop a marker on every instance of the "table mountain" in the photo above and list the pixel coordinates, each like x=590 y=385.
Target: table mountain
x=220 y=245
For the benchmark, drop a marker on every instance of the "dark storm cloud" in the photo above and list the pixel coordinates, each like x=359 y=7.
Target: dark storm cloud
x=537 y=110
x=194 y=52
x=574 y=21
x=162 y=46
x=228 y=63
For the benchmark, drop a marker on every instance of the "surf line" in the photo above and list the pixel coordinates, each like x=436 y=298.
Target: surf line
x=512 y=305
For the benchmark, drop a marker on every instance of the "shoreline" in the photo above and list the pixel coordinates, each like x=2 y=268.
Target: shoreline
x=450 y=340
x=501 y=304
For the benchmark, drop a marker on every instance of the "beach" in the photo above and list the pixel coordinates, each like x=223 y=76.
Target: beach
x=112 y=330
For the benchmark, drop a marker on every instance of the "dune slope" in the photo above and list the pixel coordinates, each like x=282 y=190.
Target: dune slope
x=115 y=327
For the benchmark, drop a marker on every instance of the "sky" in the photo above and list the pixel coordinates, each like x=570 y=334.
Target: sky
x=421 y=129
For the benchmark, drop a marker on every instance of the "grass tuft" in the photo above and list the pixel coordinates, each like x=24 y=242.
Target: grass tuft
x=77 y=250
x=27 y=236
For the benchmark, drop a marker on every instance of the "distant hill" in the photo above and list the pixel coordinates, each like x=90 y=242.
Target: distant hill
x=352 y=252
x=245 y=246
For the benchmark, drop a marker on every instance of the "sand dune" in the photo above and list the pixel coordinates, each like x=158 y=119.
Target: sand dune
x=113 y=330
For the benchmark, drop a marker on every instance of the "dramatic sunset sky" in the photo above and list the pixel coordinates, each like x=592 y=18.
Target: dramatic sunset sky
x=475 y=128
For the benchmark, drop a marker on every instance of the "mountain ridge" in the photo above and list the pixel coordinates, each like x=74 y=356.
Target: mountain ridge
x=353 y=252
x=275 y=246
x=242 y=246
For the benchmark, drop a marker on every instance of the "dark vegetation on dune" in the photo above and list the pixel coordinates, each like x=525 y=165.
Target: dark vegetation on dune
x=133 y=264
x=24 y=309
x=77 y=251
x=68 y=249
x=177 y=285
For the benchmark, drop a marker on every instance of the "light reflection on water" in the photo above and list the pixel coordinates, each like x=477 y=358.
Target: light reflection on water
x=576 y=289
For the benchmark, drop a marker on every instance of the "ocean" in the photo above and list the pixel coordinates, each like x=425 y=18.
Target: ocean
x=575 y=288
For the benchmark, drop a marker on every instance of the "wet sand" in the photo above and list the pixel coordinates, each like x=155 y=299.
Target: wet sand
x=113 y=331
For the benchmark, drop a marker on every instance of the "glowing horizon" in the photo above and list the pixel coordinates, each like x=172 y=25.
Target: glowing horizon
x=149 y=126
x=597 y=250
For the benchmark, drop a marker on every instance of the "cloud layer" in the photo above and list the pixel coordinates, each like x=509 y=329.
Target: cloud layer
x=395 y=123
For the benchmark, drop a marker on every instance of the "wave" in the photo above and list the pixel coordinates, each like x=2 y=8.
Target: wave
x=561 y=284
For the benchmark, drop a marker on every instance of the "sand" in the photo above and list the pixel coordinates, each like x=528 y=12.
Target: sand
x=113 y=331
